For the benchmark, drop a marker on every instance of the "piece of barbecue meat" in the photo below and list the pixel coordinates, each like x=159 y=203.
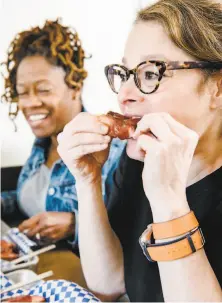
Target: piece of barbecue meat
x=120 y=126
x=9 y=251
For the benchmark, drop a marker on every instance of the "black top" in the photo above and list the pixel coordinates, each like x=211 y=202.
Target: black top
x=130 y=213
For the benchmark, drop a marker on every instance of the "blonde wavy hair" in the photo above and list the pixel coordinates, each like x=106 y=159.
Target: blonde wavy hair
x=193 y=26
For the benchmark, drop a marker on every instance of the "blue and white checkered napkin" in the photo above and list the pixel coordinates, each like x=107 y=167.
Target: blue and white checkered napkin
x=62 y=291
x=52 y=291
x=5 y=282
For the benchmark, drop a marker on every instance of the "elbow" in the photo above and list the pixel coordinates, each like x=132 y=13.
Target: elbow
x=108 y=291
x=108 y=298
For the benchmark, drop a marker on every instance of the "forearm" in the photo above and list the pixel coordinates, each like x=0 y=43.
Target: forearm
x=100 y=249
x=190 y=279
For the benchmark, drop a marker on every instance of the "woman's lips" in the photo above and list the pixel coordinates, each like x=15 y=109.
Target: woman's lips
x=132 y=116
x=37 y=120
x=37 y=117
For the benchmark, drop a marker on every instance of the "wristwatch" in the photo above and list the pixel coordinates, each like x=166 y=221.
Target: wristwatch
x=181 y=247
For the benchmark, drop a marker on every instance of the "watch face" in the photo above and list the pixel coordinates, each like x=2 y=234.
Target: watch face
x=147 y=235
x=145 y=242
x=145 y=250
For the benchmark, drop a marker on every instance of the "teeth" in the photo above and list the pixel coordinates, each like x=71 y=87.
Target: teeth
x=37 y=117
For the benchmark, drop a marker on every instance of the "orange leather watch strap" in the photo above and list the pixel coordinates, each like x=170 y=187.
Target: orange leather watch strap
x=177 y=250
x=176 y=227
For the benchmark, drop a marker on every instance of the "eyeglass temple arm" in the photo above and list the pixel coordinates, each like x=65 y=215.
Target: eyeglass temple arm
x=192 y=65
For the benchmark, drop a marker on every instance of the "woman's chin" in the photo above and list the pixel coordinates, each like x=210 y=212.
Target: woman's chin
x=133 y=152
x=41 y=133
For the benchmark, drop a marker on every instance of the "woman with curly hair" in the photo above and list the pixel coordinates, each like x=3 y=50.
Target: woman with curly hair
x=45 y=77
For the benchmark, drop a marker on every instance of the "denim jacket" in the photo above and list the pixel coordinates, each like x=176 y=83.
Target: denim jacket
x=61 y=195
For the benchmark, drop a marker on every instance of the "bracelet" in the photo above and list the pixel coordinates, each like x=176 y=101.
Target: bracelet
x=176 y=227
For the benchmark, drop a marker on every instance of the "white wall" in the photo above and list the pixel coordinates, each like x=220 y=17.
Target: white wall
x=102 y=25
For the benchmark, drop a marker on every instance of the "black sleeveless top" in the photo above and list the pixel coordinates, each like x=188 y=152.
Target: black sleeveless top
x=130 y=213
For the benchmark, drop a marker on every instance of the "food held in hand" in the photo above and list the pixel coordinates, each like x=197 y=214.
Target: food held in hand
x=120 y=126
x=9 y=251
x=25 y=299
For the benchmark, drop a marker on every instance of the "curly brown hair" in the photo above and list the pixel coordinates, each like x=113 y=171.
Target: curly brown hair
x=60 y=45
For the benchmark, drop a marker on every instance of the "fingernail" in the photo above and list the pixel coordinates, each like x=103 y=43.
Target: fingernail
x=131 y=132
x=38 y=237
x=104 y=128
x=107 y=138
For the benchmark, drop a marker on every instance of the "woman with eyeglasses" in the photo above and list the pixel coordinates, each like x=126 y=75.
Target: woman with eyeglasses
x=161 y=239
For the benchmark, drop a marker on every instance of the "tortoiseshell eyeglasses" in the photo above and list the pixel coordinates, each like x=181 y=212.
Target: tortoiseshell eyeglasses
x=148 y=74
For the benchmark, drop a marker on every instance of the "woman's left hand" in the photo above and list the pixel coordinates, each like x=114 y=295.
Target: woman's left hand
x=168 y=148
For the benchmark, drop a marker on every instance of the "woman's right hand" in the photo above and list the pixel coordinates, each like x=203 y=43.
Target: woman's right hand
x=84 y=147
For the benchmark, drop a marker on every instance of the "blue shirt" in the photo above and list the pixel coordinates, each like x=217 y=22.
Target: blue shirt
x=61 y=195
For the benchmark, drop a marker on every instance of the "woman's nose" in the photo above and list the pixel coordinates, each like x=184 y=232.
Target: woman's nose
x=32 y=100
x=129 y=92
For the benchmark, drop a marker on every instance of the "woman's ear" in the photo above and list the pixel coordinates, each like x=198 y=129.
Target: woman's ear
x=76 y=95
x=217 y=93
x=219 y=87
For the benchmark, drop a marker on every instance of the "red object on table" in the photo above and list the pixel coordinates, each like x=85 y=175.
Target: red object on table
x=120 y=126
x=26 y=298
x=8 y=251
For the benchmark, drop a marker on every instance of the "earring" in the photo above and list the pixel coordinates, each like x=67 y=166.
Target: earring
x=141 y=99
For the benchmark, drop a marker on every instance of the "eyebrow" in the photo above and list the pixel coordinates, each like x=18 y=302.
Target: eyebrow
x=159 y=57
x=37 y=82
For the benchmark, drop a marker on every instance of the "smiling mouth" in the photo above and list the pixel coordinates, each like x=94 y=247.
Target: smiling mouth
x=37 y=117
